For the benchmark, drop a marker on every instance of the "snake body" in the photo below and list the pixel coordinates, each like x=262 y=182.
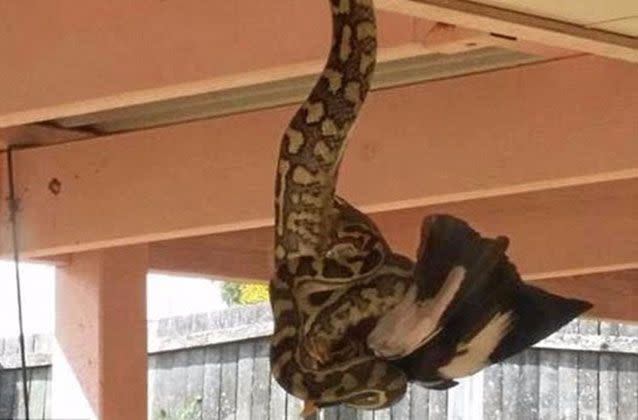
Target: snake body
x=334 y=271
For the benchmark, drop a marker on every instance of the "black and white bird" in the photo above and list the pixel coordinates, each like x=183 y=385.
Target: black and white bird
x=468 y=308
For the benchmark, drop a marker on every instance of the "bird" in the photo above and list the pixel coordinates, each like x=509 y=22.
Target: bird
x=470 y=308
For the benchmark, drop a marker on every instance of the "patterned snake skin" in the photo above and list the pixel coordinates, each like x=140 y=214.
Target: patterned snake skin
x=334 y=271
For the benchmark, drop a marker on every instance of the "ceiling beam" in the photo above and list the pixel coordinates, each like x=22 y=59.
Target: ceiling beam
x=409 y=64
x=247 y=256
x=613 y=289
x=507 y=22
x=554 y=233
x=492 y=134
x=70 y=58
x=64 y=65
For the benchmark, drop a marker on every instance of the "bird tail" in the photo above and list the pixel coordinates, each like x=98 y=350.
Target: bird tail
x=492 y=284
x=537 y=314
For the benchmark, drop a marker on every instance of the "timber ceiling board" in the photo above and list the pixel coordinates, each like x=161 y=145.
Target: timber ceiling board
x=620 y=16
x=627 y=26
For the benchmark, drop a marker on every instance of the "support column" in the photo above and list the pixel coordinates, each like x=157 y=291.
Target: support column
x=100 y=359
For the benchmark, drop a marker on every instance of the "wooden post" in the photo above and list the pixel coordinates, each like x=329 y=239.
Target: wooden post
x=100 y=359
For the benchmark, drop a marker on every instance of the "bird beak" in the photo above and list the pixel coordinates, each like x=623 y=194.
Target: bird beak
x=309 y=408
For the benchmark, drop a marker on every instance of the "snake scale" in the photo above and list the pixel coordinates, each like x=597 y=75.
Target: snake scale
x=336 y=279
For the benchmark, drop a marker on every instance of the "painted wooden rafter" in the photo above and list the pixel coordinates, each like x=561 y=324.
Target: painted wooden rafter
x=533 y=28
x=459 y=53
x=32 y=85
x=136 y=109
x=149 y=185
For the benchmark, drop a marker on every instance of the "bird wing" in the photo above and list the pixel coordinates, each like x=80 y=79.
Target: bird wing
x=454 y=263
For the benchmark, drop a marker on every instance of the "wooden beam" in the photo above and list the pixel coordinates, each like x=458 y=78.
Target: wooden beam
x=534 y=28
x=405 y=65
x=63 y=65
x=551 y=232
x=244 y=254
x=485 y=135
x=131 y=103
x=438 y=54
x=612 y=288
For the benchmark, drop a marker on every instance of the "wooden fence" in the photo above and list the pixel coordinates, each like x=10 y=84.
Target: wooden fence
x=215 y=366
